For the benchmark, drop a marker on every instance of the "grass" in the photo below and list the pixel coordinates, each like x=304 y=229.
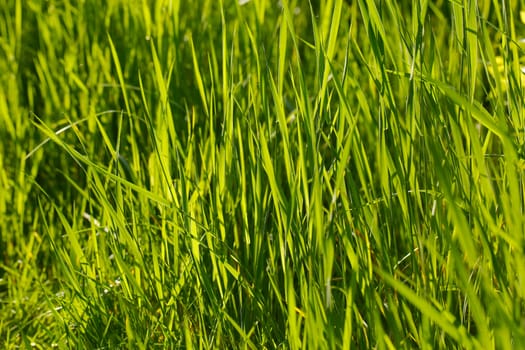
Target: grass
x=257 y=174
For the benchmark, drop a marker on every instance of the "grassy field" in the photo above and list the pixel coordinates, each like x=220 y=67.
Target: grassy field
x=262 y=174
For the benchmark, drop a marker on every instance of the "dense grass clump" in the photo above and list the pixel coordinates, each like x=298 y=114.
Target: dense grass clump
x=262 y=174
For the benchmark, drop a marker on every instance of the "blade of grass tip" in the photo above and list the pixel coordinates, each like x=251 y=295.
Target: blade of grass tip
x=120 y=76
x=198 y=76
x=105 y=138
x=144 y=100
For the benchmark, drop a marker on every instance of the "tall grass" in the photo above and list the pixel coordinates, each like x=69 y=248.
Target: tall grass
x=262 y=174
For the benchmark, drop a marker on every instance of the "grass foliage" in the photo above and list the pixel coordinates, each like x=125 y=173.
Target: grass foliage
x=262 y=174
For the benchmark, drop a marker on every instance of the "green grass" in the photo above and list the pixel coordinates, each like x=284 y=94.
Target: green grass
x=215 y=175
